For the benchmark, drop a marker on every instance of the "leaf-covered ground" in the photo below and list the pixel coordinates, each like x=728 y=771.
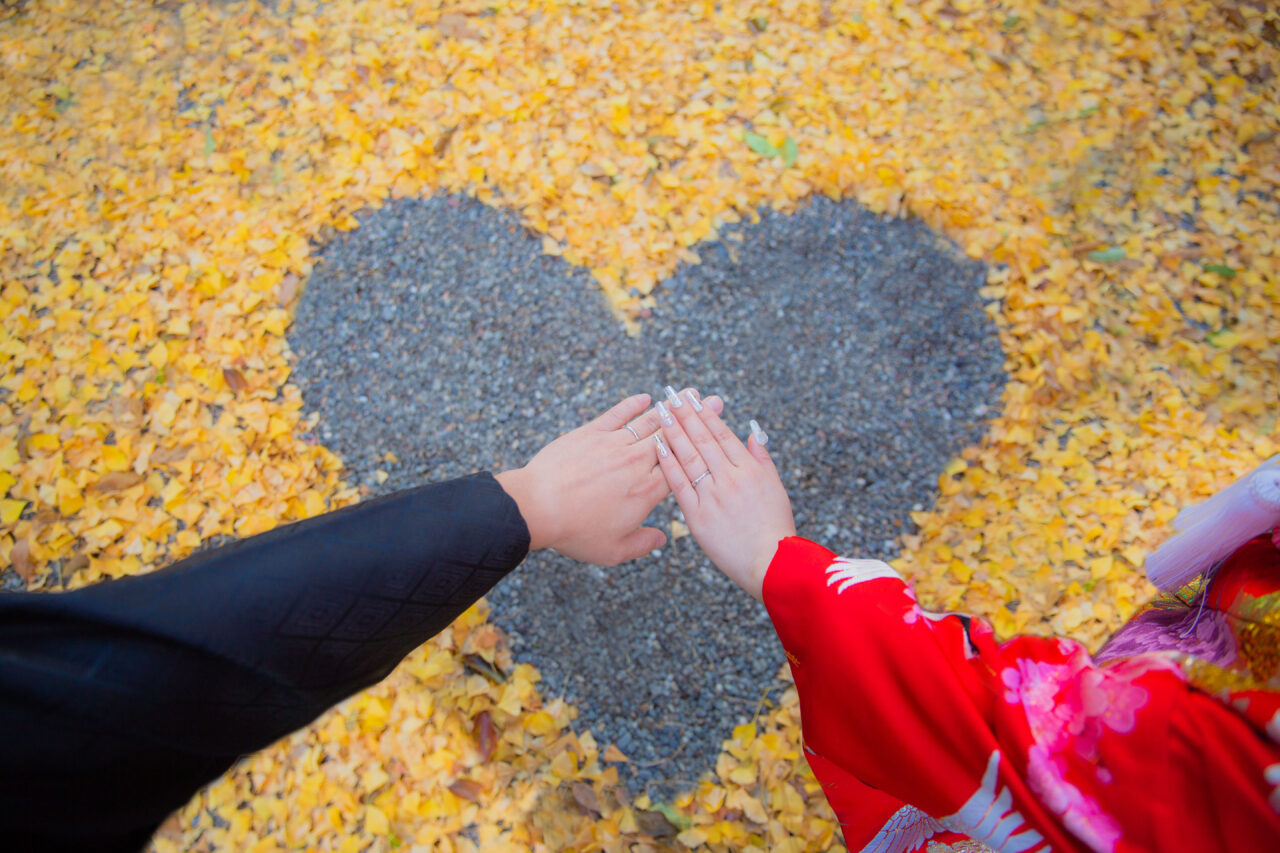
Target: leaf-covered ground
x=166 y=169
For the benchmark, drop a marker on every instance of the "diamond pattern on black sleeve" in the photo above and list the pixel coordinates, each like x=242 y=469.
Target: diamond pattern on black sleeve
x=150 y=686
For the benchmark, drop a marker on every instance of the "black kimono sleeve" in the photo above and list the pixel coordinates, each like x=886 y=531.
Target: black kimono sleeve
x=118 y=701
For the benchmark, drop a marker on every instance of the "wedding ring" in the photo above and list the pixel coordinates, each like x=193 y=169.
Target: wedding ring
x=704 y=475
x=632 y=431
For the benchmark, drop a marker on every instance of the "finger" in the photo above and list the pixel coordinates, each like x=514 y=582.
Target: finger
x=756 y=443
x=686 y=495
x=637 y=543
x=618 y=416
x=703 y=441
x=682 y=448
x=649 y=423
x=757 y=450
x=729 y=443
x=654 y=487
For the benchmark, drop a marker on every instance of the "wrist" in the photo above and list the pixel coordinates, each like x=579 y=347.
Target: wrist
x=764 y=561
x=521 y=488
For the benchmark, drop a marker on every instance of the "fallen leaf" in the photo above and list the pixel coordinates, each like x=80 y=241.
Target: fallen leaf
x=486 y=735
x=235 y=379
x=289 y=286
x=466 y=789
x=116 y=481
x=655 y=823
x=442 y=141
x=760 y=144
x=585 y=795
x=790 y=152
x=478 y=664
x=1108 y=255
x=1223 y=338
x=11 y=510
x=127 y=410
x=20 y=559
x=169 y=455
x=612 y=753
x=457 y=26
x=76 y=563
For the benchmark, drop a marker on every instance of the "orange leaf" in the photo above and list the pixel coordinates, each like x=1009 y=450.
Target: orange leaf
x=486 y=735
x=116 y=481
x=235 y=379
x=467 y=789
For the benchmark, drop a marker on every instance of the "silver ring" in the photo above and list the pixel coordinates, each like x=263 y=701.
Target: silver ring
x=632 y=431
x=704 y=475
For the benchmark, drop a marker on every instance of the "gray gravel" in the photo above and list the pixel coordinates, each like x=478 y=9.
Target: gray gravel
x=439 y=332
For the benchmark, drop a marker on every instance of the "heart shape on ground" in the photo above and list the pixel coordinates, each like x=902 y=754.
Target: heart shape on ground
x=439 y=332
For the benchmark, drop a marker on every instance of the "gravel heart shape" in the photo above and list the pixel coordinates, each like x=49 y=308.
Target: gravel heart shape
x=439 y=332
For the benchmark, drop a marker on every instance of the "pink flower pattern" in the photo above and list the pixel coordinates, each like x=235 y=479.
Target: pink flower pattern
x=1069 y=706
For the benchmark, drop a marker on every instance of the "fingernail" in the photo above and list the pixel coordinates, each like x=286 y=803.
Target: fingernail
x=693 y=399
x=762 y=437
x=662 y=448
x=665 y=414
x=673 y=397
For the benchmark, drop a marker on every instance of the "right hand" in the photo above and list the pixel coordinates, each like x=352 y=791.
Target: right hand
x=740 y=512
x=587 y=493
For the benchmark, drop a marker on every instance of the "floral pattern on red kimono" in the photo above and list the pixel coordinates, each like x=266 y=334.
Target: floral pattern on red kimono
x=921 y=727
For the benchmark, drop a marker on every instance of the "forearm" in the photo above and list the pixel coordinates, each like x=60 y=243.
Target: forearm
x=231 y=649
x=871 y=669
x=905 y=701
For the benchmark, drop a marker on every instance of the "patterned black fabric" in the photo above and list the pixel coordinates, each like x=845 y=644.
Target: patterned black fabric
x=118 y=701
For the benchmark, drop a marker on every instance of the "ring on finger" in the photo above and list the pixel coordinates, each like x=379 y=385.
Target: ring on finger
x=632 y=430
x=704 y=475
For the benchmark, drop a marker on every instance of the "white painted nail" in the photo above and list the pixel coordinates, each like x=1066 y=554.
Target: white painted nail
x=693 y=399
x=665 y=414
x=662 y=448
x=673 y=397
x=762 y=437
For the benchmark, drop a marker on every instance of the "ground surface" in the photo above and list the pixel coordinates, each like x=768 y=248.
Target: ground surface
x=440 y=333
x=167 y=168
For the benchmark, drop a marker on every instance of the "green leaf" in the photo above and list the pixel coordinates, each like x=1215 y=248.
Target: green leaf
x=1221 y=269
x=208 y=142
x=790 y=151
x=677 y=820
x=393 y=841
x=760 y=145
x=1107 y=256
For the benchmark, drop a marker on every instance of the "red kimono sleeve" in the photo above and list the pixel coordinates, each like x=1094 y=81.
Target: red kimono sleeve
x=921 y=727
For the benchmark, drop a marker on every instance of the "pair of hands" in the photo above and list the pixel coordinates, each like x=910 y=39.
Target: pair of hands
x=587 y=493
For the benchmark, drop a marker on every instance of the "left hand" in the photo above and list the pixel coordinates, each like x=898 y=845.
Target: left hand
x=731 y=494
x=587 y=492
